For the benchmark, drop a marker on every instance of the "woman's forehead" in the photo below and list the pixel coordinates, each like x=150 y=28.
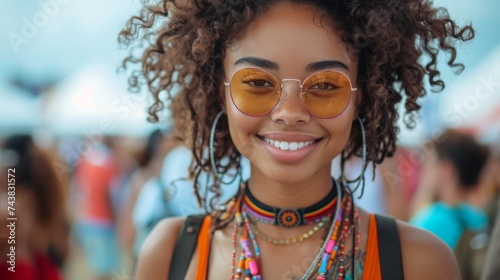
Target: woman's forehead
x=291 y=35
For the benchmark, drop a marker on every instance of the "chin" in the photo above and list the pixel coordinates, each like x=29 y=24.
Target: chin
x=287 y=175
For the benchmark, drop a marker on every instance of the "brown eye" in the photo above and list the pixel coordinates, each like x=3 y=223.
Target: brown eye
x=260 y=83
x=323 y=86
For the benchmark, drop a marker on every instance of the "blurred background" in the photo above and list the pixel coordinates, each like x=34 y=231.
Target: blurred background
x=60 y=88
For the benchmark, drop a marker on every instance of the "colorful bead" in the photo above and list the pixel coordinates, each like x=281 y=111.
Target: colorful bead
x=330 y=246
x=252 y=265
x=239 y=220
x=324 y=263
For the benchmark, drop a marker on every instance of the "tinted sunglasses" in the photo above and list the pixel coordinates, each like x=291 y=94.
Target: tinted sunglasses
x=255 y=92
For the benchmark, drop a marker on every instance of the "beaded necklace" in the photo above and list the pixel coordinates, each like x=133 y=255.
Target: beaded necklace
x=335 y=249
x=248 y=266
x=332 y=251
x=338 y=213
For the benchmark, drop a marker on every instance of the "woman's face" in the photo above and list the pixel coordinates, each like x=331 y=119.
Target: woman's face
x=290 y=41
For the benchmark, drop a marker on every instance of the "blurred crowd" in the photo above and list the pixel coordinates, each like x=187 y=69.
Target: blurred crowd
x=84 y=206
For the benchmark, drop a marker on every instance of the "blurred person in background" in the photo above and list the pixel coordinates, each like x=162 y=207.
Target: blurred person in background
x=150 y=164
x=97 y=173
x=492 y=261
x=450 y=181
x=400 y=178
x=491 y=182
x=41 y=229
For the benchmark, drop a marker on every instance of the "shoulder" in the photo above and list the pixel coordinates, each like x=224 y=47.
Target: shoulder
x=157 y=250
x=425 y=256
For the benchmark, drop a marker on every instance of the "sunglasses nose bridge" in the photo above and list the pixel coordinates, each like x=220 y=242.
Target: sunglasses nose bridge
x=290 y=81
x=290 y=95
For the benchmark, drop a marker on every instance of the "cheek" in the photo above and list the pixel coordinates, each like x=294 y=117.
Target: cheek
x=340 y=127
x=242 y=129
x=340 y=131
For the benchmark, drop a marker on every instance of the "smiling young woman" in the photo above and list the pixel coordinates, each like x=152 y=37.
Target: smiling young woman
x=290 y=85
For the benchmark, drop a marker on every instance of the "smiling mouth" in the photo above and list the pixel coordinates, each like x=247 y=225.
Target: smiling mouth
x=288 y=146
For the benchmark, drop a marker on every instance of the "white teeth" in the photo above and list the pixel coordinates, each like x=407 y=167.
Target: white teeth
x=288 y=146
x=284 y=145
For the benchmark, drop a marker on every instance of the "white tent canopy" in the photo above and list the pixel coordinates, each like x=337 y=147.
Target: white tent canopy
x=95 y=100
x=19 y=112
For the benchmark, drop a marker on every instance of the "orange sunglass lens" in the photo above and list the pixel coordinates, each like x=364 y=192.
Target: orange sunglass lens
x=327 y=94
x=254 y=92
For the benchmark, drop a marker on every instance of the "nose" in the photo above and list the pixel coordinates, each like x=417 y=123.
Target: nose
x=290 y=109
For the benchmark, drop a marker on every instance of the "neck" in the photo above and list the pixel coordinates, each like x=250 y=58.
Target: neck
x=287 y=194
x=451 y=195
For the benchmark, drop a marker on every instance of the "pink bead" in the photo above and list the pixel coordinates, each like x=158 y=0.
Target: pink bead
x=329 y=246
x=254 y=269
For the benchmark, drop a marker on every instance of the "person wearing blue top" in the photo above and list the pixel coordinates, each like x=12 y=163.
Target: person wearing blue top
x=448 y=222
x=451 y=175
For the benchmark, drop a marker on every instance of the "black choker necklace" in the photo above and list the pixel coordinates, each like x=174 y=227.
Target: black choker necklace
x=287 y=217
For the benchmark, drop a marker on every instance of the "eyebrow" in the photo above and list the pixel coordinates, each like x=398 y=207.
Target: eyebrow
x=259 y=62
x=326 y=64
x=312 y=67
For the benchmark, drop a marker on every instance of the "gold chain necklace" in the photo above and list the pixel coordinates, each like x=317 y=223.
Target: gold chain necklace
x=287 y=241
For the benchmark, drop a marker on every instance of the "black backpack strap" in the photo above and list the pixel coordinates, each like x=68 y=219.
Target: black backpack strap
x=184 y=247
x=391 y=263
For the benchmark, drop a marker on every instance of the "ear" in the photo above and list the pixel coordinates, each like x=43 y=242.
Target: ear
x=359 y=102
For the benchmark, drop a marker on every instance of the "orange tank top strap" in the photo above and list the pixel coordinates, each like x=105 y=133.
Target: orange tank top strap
x=371 y=269
x=204 y=242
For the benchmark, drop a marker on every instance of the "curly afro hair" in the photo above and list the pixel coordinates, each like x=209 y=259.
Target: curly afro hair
x=185 y=43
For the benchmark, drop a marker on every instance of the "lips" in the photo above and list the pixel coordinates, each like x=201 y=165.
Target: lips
x=289 y=148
